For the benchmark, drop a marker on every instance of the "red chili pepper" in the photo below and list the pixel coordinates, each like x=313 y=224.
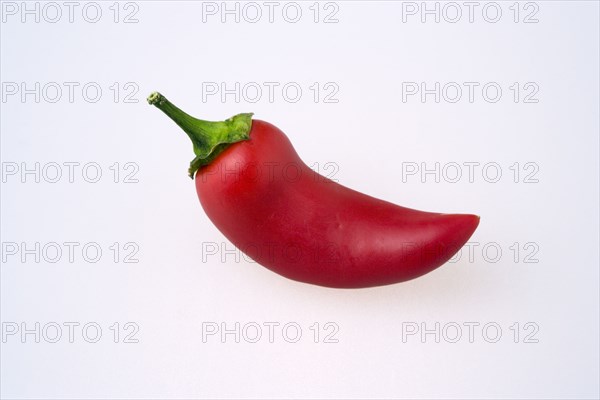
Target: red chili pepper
x=257 y=191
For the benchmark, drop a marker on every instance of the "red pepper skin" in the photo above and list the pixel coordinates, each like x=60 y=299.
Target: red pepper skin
x=299 y=224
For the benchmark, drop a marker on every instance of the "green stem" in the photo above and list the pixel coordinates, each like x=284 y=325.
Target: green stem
x=209 y=138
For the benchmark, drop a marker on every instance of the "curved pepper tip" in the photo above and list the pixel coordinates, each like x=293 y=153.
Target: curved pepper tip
x=472 y=220
x=472 y=223
x=462 y=226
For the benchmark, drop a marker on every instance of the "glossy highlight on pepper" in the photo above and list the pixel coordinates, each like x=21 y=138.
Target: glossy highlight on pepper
x=259 y=193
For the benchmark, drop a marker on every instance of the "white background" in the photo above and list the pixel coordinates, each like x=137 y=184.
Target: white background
x=370 y=136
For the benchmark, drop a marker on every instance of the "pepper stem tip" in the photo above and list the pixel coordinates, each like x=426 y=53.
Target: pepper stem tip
x=155 y=98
